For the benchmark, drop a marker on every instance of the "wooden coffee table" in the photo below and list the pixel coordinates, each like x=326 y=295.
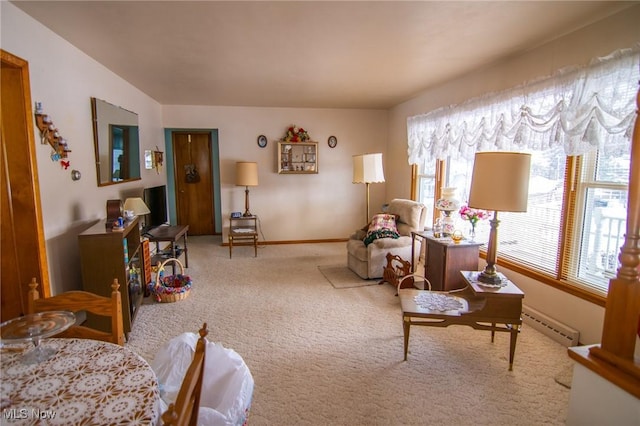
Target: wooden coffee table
x=480 y=307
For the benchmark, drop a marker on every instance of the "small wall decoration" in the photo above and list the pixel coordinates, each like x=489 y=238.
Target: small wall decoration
x=295 y=134
x=262 y=141
x=158 y=159
x=332 y=141
x=49 y=134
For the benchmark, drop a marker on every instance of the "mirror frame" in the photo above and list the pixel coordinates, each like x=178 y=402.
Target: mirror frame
x=97 y=142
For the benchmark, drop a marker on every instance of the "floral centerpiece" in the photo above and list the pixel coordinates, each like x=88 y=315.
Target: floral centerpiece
x=296 y=134
x=473 y=216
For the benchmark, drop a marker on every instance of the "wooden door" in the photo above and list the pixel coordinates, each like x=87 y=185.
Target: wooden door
x=194 y=181
x=22 y=246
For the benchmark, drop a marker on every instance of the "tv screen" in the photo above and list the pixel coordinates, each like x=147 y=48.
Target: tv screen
x=156 y=200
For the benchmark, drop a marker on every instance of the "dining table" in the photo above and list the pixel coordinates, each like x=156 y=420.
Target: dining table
x=85 y=382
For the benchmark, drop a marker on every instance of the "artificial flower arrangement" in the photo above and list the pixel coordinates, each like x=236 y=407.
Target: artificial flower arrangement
x=472 y=215
x=296 y=134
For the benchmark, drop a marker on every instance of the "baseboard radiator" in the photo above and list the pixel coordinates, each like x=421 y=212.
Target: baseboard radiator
x=550 y=327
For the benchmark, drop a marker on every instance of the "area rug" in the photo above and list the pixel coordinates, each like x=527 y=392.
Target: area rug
x=342 y=277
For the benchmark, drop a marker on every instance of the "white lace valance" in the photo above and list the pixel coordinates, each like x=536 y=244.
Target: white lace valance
x=579 y=109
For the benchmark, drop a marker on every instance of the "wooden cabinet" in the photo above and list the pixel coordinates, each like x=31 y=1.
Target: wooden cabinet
x=106 y=254
x=444 y=260
x=297 y=157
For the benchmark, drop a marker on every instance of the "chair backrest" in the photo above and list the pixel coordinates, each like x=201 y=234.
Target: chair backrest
x=76 y=301
x=411 y=214
x=185 y=410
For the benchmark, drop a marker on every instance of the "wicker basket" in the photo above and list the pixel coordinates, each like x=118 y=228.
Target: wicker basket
x=180 y=284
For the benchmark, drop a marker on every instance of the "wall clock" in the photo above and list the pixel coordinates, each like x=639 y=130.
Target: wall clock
x=262 y=141
x=332 y=141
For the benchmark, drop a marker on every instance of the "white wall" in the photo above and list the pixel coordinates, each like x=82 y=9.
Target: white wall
x=293 y=207
x=64 y=79
x=619 y=31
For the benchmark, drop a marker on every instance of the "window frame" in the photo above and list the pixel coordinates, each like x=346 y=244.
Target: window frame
x=567 y=236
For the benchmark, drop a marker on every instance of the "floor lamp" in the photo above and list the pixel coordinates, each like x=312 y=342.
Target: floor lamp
x=246 y=175
x=367 y=169
x=500 y=182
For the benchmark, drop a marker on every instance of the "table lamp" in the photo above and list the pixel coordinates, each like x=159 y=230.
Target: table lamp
x=246 y=175
x=500 y=182
x=137 y=206
x=367 y=169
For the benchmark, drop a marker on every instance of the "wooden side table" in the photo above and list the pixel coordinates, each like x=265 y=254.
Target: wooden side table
x=444 y=259
x=172 y=235
x=243 y=228
x=480 y=307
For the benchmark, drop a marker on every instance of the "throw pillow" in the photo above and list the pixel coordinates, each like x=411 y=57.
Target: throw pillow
x=382 y=226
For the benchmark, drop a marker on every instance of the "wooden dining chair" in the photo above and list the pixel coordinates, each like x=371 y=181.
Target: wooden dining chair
x=185 y=410
x=77 y=301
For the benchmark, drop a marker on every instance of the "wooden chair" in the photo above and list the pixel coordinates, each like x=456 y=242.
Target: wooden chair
x=76 y=301
x=185 y=410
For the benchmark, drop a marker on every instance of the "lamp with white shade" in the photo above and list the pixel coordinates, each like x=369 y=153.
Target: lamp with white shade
x=136 y=205
x=500 y=182
x=367 y=169
x=246 y=175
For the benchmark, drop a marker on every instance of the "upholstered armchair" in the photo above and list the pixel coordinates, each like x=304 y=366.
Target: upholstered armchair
x=368 y=260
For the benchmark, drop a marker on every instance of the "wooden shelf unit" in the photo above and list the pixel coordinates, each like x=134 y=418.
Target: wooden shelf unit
x=297 y=157
x=106 y=254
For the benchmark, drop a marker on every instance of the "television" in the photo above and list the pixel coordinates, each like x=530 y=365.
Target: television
x=156 y=199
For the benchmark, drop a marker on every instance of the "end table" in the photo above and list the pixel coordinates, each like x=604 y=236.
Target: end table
x=243 y=228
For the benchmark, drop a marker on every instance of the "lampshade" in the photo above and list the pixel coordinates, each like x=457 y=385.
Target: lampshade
x=136 y=205
x=500 y=181
x=367 y=168
x=246 y=173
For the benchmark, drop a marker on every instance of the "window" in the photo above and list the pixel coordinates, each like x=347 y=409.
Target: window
x=578 y=130
x=602 y=217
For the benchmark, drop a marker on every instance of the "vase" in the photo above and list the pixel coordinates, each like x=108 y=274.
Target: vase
x=472 y=233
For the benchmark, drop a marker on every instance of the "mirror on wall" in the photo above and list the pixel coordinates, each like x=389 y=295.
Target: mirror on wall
x=117 y=144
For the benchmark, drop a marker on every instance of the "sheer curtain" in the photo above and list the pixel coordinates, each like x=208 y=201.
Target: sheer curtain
x=579 y=109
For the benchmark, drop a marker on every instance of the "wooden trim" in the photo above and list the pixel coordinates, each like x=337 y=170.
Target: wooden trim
x=549 y=280
x=15 y=62
x=414 y=182
x=583 y=356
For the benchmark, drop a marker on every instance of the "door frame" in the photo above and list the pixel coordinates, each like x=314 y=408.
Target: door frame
x=215 y=171
x=31 y=217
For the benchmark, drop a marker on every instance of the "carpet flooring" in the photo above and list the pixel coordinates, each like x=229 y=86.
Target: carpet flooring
x=325 y=357
x=340 y=276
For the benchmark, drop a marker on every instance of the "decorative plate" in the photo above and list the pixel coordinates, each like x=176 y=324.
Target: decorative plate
x=332 y=141
x=262 y=141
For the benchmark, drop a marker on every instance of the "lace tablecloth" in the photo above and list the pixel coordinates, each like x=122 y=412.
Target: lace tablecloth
x=85 y=382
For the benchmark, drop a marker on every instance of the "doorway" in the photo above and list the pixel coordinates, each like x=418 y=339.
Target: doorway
x=193 y=181
x=23 y=246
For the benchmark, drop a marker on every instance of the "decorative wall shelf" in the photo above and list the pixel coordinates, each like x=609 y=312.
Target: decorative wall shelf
x=49 y=134
x=297 y=157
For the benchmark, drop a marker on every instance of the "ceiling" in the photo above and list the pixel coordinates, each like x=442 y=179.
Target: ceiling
x=321 y=54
